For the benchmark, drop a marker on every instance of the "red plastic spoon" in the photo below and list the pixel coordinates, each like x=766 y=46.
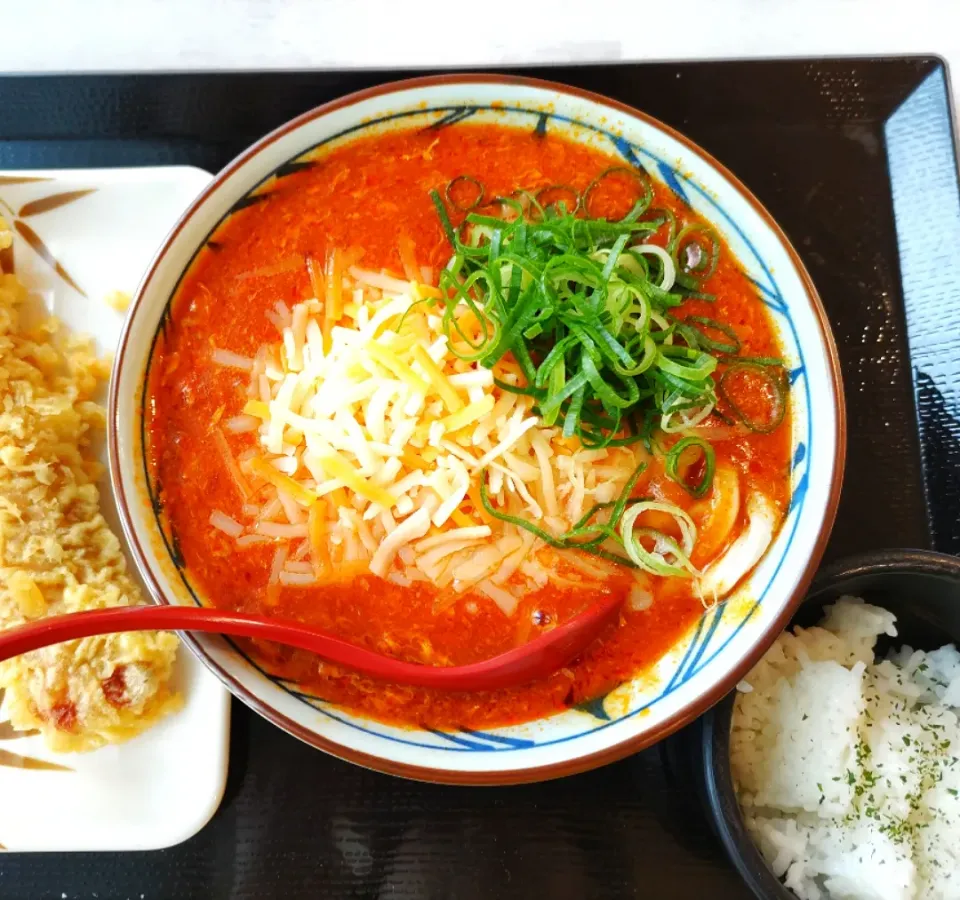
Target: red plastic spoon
x=538 y=658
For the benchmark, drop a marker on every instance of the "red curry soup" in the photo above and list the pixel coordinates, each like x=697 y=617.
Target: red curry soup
x=441 y=390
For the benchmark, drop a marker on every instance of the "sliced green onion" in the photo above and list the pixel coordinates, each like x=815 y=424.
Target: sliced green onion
x=697 y=250
x=464 y=179
x=644 y=363
x=583 y=305
x=669 y=266
x=761 y=360
x=730 y=349
x=621 y=503
x=614 y=256
x=560 y=198
x=695 y=295
x=444 y=218
x=660 y=217
x=568 y=390
x=709 y=464
x=571 y=421
x=685 y=363
x=668 y=425
x=667 y=557
x=774 y=379
x=641 y=204
x=515 y=388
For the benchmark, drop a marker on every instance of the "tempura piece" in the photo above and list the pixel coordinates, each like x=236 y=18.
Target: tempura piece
x=57 y=553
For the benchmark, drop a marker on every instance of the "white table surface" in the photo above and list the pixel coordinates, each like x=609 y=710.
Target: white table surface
x=170 y=35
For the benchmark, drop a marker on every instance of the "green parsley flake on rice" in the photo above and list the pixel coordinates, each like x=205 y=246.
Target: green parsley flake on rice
x=847 y=769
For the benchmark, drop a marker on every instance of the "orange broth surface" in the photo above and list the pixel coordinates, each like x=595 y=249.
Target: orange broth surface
x=365 y=195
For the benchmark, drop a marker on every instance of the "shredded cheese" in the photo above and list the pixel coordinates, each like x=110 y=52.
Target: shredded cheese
x=467 y=416
x=413 y=527
x=372 y=436
x=340 y=469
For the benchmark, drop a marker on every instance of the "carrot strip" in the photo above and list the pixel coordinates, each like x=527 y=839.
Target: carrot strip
x=326 y=328
x=243 y=486
x=408 y=257
x=283 y=482
x=462 y=519
x=446 y=390
x=474 y=494
x=338 y=498
x=333 y=300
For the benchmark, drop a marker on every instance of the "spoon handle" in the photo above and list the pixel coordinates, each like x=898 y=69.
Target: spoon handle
x=535 y=659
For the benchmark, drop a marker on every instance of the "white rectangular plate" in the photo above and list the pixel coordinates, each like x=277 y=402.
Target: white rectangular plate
x=162 y=787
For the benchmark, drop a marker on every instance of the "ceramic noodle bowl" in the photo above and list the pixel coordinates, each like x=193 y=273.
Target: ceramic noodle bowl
x=720 y=645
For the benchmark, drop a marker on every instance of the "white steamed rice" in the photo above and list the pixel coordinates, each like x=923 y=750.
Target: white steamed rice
x=847 y=769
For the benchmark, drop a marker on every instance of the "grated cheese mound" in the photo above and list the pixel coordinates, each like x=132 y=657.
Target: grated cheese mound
x=371 y=436
x=57 y=553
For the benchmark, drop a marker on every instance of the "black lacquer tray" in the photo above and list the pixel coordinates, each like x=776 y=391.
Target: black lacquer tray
x=855 y=158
